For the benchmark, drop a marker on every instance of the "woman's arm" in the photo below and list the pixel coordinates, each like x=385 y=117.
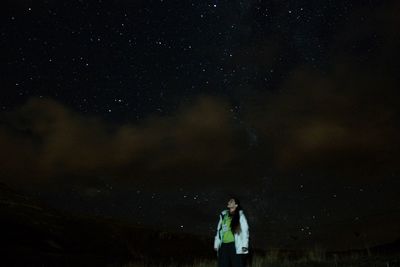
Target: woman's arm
x=245 y=230
x=216 y=239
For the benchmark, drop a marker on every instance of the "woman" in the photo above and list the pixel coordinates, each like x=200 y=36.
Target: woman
x=232 y=238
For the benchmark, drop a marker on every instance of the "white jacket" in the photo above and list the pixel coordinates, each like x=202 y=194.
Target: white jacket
x=241 y=239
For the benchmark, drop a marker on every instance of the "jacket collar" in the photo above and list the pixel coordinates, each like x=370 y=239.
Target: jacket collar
x=227 y=210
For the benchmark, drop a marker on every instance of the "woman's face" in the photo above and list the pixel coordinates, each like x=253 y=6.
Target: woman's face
x=232 y=204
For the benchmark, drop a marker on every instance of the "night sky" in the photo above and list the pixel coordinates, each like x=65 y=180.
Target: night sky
x=156 y=111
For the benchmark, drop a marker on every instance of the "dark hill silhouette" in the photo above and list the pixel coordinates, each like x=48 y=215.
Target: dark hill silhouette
x=388 y=248
x=33 y=234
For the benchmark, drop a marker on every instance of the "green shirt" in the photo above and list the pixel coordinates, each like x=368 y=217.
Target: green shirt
x=227 y=235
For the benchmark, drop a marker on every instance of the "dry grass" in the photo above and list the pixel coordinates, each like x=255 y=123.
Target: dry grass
x=316 y=257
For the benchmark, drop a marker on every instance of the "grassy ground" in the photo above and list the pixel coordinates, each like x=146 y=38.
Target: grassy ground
x=311 y=258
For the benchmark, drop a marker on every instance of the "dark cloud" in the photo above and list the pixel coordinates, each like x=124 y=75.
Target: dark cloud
x=340 y=121
x=51 y=141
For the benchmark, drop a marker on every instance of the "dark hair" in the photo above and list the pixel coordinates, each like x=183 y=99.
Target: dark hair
x=235 y=223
